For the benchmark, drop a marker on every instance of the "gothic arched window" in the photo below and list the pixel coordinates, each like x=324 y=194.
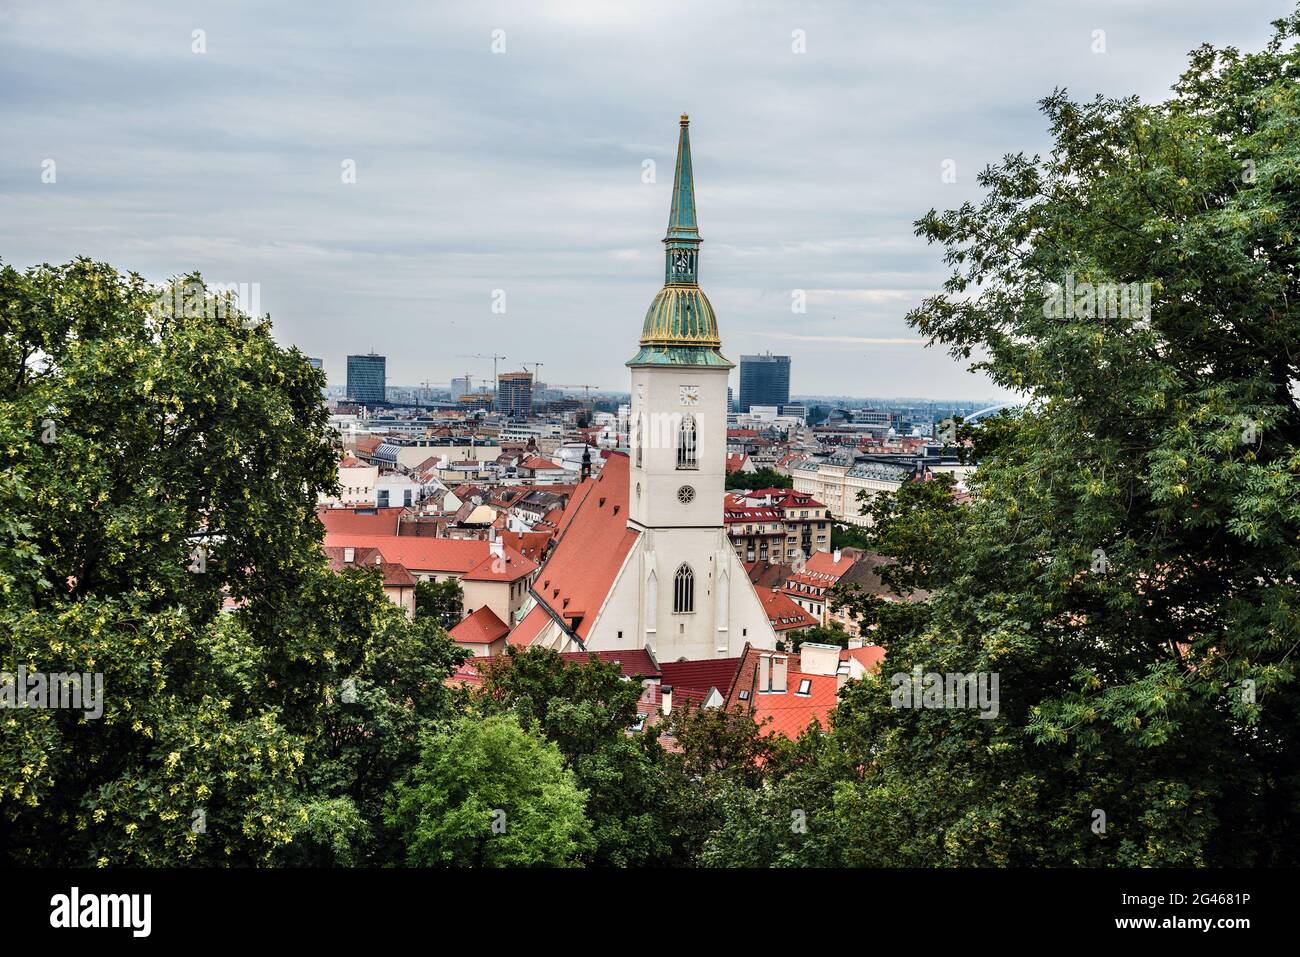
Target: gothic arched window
x=683 y=590
x=687 y=449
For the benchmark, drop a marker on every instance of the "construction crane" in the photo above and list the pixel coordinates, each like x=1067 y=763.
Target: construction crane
x=587 y=387
x=494 y=358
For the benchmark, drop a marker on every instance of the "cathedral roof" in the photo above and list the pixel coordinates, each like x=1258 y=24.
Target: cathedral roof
x=593 y=542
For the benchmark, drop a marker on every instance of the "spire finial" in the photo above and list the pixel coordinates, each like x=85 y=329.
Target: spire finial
x=681 y=220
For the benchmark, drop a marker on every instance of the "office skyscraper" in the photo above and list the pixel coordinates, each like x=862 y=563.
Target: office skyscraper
x=367 y=378
x=764 y=380
x=515 y=393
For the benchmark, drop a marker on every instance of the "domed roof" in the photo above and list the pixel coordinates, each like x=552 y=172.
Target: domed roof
x=680 y=316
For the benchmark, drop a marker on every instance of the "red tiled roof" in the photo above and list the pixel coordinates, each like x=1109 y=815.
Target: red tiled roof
x=528 y=629
x=571 y=507
x=735 y=462
x=534 y=462
x=824 y=563
x=351 y=521
x=395 y=574
x=482 y=628
x=352 y=462
x=791 y=713
x=683 y=697
x=420 y=553
x=594 y=541
x=869 y=656
x=635 y=662
x=701 y=676
x=360 y=556
x=509 y=566
x=787 y=712
x=820 y=573
x=467 y=673
x=784 y=613
x=530 y=544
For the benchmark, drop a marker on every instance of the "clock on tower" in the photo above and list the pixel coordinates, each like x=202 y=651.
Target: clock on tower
x=679 y=390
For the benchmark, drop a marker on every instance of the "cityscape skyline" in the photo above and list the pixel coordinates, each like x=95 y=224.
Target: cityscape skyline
x=471 y=167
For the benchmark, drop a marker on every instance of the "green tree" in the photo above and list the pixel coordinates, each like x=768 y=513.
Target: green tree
x=848 y=536
x=587 y=710
x=762 y=478
x=488 y=793
x=833 y=634
x=442 y=601
x=164 y=456
x=1128 y=565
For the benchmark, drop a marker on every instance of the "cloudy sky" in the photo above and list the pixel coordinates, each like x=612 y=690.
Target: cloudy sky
x=522 y=170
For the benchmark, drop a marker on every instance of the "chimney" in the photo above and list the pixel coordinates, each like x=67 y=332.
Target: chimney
x=817 y=659
x=778 y=673
x=496 y=549
x=837 y=556
x=666 y=699
x=857 y=642
x=349 y=555
x=765 y=672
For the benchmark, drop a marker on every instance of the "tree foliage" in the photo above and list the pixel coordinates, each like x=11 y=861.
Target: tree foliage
x=488 y=793
x=161 y=462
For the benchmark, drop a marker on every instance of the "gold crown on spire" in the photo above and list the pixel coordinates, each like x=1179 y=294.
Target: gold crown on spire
x=686 y=120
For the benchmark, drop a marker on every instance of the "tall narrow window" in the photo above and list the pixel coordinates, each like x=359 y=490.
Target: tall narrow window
x=684 y=590
x=637 y=433
x=686 y=444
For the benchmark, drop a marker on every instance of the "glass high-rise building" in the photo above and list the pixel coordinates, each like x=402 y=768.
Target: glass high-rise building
x=764 y=380
x=515 y=393
x=366 y=378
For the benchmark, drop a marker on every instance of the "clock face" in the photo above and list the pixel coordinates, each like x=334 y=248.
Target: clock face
x=686 y=495
x=689 y=394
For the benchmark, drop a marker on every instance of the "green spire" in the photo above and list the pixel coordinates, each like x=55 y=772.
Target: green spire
x=680 y=328
x=681 y=220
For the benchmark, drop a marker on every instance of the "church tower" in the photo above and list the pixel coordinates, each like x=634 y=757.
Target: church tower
x=678 y=451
